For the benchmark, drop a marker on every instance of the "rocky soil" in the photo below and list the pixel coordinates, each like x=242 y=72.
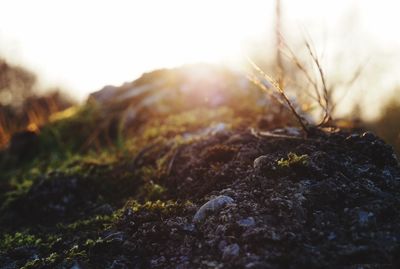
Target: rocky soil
x=190 y=188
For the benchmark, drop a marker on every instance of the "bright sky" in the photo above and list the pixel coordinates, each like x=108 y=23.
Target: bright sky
x=84 y=45
x=87 y=44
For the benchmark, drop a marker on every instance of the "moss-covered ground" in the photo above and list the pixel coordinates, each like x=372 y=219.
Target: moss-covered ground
x=115 y=183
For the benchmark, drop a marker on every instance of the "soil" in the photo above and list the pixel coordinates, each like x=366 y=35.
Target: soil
x=279 y=199
x=339 y=209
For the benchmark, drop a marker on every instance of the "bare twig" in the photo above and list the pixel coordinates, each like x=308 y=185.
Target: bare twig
x=325 y=90
x=261 y=134
x=318 y=98
x=348 y=84
x=292 y=56
x=275 y=86
x=278 y=35
x=266 y=89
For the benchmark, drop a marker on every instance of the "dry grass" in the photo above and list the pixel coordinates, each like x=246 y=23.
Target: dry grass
x=35 y=112
x=318 y=92
x=322 y=93
x=272 y=88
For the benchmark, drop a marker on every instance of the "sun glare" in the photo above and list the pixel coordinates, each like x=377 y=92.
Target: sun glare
x=84 y=45
x=87 y=44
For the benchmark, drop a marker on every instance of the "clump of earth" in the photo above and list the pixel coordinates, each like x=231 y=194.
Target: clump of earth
x=220 y=181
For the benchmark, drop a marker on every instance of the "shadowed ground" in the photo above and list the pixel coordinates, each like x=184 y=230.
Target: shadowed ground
x=117 y=182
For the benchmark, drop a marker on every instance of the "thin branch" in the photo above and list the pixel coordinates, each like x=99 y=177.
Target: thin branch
x=256 y=81
x=278 y=35
x=325 y=90
x=304 y=71
x=282 y=94
x=301 y=67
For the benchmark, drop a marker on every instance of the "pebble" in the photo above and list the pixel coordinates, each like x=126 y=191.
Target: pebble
x=188 y=227
x=230 y=251
x=247 y=222
x=264 y=163
x=115 y=237
x=364 y=217
x=368 y=136
x=212 y=206
x=259 y=162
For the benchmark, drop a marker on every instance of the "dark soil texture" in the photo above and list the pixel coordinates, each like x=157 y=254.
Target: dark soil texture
x=209 y=195
x=340 y=208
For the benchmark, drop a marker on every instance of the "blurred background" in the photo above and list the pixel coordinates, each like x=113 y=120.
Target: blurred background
x=53 y=54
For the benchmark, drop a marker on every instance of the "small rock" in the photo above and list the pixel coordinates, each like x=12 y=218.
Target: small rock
x=364 y=217
x=369 y=136
x=247 y=222
x=189 y=228
x=387 y=174
x=115 y=237
x=230 y=252
x=159 y=261
x=263 y=163
x=275 y=236
x=352 y=137
x=258 y=162
x=331 y=236
x=105 y=209
x=212 y=206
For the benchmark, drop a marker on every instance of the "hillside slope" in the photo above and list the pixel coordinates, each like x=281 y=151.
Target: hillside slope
x=194 y=168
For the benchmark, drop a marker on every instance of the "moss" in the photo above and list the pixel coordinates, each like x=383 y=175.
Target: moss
x=80 y=132
x=101 y=222
x=76 y=252
x=19 y=239
x=18 y=190
x=59 y=137
x=91 y=243
x=158 y=207
x=151 y=192
x=42 y=243
x=47 y=262
x=89 y=145
x=293 y=160
x=71 y=242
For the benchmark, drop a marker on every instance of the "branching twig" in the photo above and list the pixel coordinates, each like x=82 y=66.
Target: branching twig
x=318 y=98
x=325 y=90
x=302 y=68
x=275 y=86
x=348 y=84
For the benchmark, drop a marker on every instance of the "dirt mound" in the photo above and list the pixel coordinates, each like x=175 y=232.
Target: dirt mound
x=337 y=207
x=327 y=201
x=148 y=180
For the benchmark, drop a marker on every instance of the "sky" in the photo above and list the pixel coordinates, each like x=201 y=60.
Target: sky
x=85 y=45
